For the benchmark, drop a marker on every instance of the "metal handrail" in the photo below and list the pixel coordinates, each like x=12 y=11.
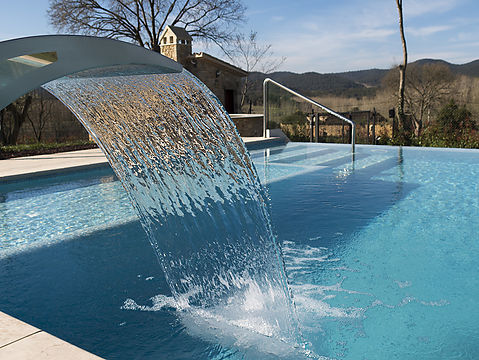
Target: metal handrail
x=324 y=108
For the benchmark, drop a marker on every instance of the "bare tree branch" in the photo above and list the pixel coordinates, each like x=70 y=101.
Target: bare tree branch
x=426 y=88
x=142 y=21
x=248 y=53
x=40 y=112
x=10 y=125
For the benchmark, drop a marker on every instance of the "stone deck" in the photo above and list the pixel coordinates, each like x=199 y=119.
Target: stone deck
x=20 y=341
x=23 y=167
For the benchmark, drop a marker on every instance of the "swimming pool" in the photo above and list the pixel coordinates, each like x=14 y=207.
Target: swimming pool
x=381 y=253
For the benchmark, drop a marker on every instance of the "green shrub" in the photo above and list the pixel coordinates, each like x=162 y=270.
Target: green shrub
x=10 y=151
x=454 y=127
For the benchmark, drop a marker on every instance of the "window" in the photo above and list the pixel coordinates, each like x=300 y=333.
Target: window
x=164 y=40
x=171 y=39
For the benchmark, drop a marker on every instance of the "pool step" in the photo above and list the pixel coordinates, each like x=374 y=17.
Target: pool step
x=289 y=155
x=339 y=161
x=273 y=172
x=275 y=150
x=364 y=162
x=339 y=157
x=303 y=158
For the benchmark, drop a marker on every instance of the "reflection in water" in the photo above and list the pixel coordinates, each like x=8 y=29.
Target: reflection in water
x=193 y=185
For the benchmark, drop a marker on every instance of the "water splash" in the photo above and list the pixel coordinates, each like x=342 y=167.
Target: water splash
x=192 y=183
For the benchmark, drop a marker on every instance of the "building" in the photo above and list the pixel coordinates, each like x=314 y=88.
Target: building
x=223 y=79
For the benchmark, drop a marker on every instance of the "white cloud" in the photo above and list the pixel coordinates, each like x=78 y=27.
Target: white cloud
x=421 y=7
x=337 y=52
x=311 y=26
x=427 y=30
x=372 y=33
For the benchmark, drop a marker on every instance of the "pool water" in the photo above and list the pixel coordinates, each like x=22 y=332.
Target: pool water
x=382 y=256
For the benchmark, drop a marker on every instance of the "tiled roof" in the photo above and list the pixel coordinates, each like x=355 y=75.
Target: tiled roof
x=224 y=64
x=180 y=33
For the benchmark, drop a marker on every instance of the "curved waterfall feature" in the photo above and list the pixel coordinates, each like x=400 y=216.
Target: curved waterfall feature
x=190 y=178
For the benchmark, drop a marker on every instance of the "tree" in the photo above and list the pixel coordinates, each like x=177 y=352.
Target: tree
x=12 y=119
x=246 y=52
x=427 y=86
x=142 y=21
x=402 y=72
x=454 y=127
x=453 y=118
x=40 y=112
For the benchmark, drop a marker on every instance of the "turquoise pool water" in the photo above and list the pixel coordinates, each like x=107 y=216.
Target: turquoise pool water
x=382 y=257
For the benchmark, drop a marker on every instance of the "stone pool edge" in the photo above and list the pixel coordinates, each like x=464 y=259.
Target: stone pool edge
x=44 y=165
x=19 y=340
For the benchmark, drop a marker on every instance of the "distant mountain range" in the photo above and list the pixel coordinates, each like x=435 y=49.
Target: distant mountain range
x=373 y=77
x=351 y=83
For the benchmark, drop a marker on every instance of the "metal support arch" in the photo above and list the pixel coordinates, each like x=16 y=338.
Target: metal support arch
x=74 y=53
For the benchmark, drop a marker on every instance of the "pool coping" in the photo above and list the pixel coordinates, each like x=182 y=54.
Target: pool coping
x=50 y=164
x=19 y=340
x=24 y=168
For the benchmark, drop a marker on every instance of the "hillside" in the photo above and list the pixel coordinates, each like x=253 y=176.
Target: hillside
x=373 y=77
x=310 y=83
x=352 y=83
x=369 y=78
x=469 y=69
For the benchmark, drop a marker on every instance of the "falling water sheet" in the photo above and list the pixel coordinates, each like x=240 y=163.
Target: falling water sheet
x=192 y=183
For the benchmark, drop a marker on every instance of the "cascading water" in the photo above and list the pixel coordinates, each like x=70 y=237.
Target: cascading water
x=189 y=177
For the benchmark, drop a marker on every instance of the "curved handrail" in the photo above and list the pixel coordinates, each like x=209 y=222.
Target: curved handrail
x=74 y=53
x=311 y=101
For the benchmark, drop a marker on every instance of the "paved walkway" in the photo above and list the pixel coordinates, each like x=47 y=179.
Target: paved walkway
x=23 y=167
x=11 y=169
x=20 y=341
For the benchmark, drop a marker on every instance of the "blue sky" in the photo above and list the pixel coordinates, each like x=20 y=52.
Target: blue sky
x=326 y=35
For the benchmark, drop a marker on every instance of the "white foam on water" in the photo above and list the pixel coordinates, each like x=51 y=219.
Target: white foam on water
x=159 y=302
x=241 y=323
x=244 y=321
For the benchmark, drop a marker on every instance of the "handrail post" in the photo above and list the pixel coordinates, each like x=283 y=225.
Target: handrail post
x=265 y=107
x=353 y=137
x=311 y=127
x=353 y=132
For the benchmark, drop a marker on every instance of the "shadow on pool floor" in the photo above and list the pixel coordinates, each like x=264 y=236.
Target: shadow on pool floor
x=75 y=291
